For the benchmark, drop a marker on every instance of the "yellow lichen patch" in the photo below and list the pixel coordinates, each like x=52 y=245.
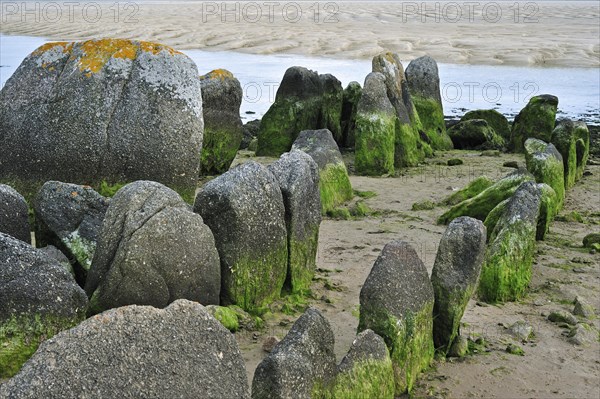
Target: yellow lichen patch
x=156 y=48
x=221 y=74
x=49 y=46
x=96 y=53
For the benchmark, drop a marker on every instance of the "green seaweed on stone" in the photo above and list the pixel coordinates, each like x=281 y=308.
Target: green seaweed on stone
x=469 y=191
x=219 y=149
x=367 y=379
x=302 y=253
x=432 y=119
x=492 y=219
x=447 y=325
x=227 y=317
x=334 y=186
x=549 y=208
x=535 y=120
x=374 y=144
x=406 y=152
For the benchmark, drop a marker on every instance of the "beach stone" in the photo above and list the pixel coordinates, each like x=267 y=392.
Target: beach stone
x=269 y=343
x=221 y=100
x=70 y=216
x=535 y=120
x=515 y=349
x=454 y=276
x=375 y=129
x=460 y=347
x=424 y=85
x=549 y=208
x=334 y=183
x=249 y=133
x=474 y=187
x=572 y=140
x=506 y=270
x=351 y=97
x=298 y=177
x=546 y=164
x=582 y=335
x=152 y=250
x=591 y=239
x=583 y=308
x=454 y=162
x=475 y=134
x=301 y=363
x=14 y=214
x=424 y=205
x=128 y=352
x=396 y=302
x=481 y=204
x=226 y=316
x=521 y=330
x=244 y=208
x=562 y=316
x=494 y=119
x=38 y=298
x=111 y=110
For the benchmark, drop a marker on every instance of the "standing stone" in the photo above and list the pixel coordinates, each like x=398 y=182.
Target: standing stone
x=572 y=140
x=454 y=276
x=396 y=302
x=137 y=351
x=298 y=177
x=334 y=183
x=549 y=208
x=301 y=364
x=152 y=250
x=536 y=120
x=249 y=132
x=424 y=84
x=110 y=110
x=331 y=106
x=546 y=164
x=38 y=298
x=494 y=119
x=14 y=214
x=352 y=94
x=244 y=208
x=375 y=129
x=475 y=134
x=69 y=217
x=506 y=269
x=221 y=100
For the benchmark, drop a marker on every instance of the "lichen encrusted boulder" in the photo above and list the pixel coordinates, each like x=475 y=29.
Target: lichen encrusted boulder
x=301 y=364
x=454 y=277
x=495 y=119
x=221 y=100
x=334 y=183
x=424 y=85
x=69 y=216
x=110 y=109
x=244 y=208
x=475 y=134
x=546 y=164
x=351 y=97
x=375 y=129
x=506 y=270
x=535 y=120
x=14 y=214
x=38 y=298
x=396 y=302
x=152 y=250
x=572 y=140
x=137 y=351
x=298 y=177
x=474 y=187
x=304 y=100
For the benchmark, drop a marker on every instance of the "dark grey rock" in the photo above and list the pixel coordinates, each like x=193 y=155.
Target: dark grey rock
x=152 y=250
x=244 y=209
x=249 y=133
x=351 y=97
x=331 y=106
x=495 y=119
x=582 y=335
x=475 y=134
x=52 y=252
x=137 y=351
x=14 y=214
x=521 y=330
x=367 y=346
x=535 y=120
x=423 y=78
x=390 y=66
x=303 y=359
x=562 y=316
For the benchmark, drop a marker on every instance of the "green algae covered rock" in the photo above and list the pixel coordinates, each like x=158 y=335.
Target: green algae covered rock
x=582 y=146
x=591 y=239
x=536 y=120
x=492 y=218
x=374 y=129
x=396 y=302
x=221 y=100
x=506 y=270
x=495 y=119
x=226 y=316
x=351 y=97
x=332 y=99
x=334 y=183
x=480 y=205
x=572 y=139
x=546 y=164
x=549 y=208
x=475 y=134
x=469 y=191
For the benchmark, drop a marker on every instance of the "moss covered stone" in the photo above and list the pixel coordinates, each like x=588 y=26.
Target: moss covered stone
x=408 y=148
x=352 y=95
x=494 y=118
x=335 y=186
x=492 y=218
x=475 y=134
x=546 y=164
x=563 y=138
x=591 y=239
x=219 y=149
x=469 y=191
x=367 y=379
x=536 y=120
x=226 y=316
x=431 y=116
x=582 y=147
x=549 y=208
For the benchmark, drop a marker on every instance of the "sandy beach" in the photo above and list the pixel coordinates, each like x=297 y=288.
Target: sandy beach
x=544 y=33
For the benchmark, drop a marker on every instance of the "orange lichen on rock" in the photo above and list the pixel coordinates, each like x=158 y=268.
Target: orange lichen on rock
x=221 y=74
x=156 y=48
x=49 y=46
x=96 y=53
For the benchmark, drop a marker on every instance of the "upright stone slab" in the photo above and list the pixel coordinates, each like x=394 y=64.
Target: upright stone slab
x=454 y=277
x=137 y=351
x=352 y=94
x=375 y=129
x=298 y=177
x=536 y=120
x=221 y=100
x=494 y=119
x=301 y=364
x=396 y=302
x=549 y=208
x=572 y=140
x=244 y=208
x=331 y=106
x=424 y=84
x=546 y=164
x=334 y=183
x=14 y=214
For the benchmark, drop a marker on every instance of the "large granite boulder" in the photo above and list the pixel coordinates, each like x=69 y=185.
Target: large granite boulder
x=301 y=364
x=14 y=214
x=572 y=140
x=494 y=119
x=424 y=84
x=69 y=217
x=38 y=298
x=111 y=110
x=536 y=120
x=545 y=163
x=375 y=129
x=137 y=351
x=334 y=183
x=298 y=177
x=396 y=302
x=351 y=97
x=475 y=134
x=506 y=270
x=454 y=277
x=152 y=250
x=221 y=100
x=244 y=208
